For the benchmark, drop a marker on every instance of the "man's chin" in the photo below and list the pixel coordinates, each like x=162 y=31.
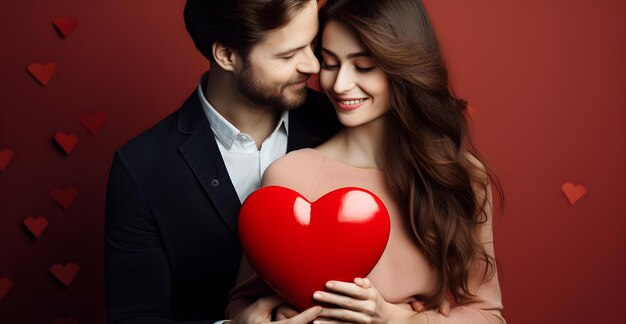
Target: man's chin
x=294 y=99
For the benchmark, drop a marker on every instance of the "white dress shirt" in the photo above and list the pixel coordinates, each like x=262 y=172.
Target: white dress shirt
x=244 y=162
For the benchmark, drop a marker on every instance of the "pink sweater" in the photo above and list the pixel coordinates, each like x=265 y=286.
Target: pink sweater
x=402 y=274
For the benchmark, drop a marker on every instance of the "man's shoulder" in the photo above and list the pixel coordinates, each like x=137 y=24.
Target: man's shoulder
x=152 y=137
x=165 y=134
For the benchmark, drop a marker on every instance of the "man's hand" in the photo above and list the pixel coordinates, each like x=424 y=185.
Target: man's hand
x=261 y=312
x=444 y=307
x=285 y=311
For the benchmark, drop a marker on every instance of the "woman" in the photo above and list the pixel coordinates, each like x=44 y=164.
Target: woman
x=405 y=139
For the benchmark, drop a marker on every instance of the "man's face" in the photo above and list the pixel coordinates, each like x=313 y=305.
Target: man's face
x=275 y=72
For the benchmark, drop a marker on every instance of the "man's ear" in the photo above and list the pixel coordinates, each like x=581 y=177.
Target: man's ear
x=225 y=57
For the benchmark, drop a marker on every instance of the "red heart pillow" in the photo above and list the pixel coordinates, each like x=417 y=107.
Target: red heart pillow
x=297 y=246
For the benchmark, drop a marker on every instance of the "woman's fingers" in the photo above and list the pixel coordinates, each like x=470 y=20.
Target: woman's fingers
x=352 y=289
x=342 y=315
x=347 y=302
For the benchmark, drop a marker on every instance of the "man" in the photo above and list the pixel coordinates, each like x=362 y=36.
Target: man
x=171 y=246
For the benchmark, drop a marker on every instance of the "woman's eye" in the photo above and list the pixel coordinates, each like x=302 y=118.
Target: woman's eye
x=365 y=69
x=326 y=66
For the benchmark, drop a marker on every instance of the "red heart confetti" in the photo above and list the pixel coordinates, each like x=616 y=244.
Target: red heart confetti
x=572 y=192
x=42 y=72
x=36 y=225
x=64 y=197
x=5 y=286
x=69 y=320
x=66 y=141
x=93 y=122
x=6 y=156
x=65 y=25
x=65 y=273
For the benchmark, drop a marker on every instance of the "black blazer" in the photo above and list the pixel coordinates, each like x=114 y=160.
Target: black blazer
x=171 y=246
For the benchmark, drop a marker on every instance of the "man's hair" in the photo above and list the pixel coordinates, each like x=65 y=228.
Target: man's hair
x=238 y=24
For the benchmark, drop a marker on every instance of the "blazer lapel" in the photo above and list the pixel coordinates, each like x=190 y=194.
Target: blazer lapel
x=204 y=158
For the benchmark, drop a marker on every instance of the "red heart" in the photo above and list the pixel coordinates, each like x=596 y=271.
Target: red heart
x=66 y=141
x=66 y=25
x=94 y=122
x=42 y=72
x=70 y=320
x=36 y=225
x=572 y=192
x=5 y=286
x=297 y=246
x=6 y=156
x=65 y=273
x=314 y=82
x=64 y=197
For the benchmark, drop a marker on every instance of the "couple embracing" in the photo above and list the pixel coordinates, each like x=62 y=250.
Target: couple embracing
x=389 y=122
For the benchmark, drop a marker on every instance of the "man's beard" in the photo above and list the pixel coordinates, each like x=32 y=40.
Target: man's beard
x=261 y=93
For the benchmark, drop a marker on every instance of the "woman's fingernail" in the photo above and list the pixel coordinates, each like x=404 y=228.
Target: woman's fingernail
x=329 y=284
x=317 y=295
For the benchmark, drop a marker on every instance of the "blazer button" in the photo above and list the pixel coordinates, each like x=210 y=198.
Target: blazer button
x=215 y=182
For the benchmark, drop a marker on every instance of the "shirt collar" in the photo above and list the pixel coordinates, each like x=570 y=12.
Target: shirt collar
x=224 y=131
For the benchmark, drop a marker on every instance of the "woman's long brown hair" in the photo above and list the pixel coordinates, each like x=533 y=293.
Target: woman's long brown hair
x=432 y=167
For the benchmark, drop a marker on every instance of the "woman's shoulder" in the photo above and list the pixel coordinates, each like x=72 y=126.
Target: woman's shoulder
x=299 y=158
x=293 y=168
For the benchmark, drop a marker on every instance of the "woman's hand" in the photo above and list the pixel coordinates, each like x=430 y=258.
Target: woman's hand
x=360 y=302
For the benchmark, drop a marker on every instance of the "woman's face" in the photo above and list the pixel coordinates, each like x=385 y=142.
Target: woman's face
x=358 y=89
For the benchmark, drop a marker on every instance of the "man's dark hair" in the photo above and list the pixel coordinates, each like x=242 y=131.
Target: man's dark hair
x=238 y=24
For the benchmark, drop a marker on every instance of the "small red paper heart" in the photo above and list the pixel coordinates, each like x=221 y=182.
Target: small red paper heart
x=65 y=273
x=6 y=156
x=64 y=197
x=5 y=286
x=65 y=25
x=572 y=192
x=66 y=141
x=94 y=122
x=297 y=246
x=36 y=225
x=42 y=72
x=314 y=82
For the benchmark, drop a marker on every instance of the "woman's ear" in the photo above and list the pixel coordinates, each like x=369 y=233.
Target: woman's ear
x=225 y=57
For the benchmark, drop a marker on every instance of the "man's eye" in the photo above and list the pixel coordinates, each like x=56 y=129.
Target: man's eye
x=288 y=56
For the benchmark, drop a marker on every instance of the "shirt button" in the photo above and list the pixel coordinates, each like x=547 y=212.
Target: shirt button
x=215 y=182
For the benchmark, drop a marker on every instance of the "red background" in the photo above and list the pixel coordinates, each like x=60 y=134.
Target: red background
x=546 y=80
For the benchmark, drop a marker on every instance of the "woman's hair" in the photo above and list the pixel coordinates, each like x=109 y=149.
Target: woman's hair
x=431 y=165
x=238 y=24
